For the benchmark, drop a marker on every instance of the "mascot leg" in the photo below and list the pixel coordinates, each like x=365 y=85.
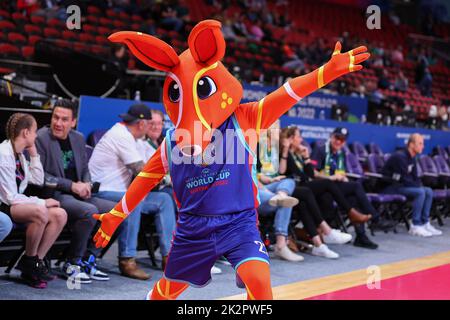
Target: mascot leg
x=167 y=290
x=256 y=277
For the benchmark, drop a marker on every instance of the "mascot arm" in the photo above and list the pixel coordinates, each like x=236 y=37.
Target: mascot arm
x=262 y=114
x=145 y=181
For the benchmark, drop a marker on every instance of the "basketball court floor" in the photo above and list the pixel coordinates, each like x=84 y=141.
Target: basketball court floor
x=403 y=267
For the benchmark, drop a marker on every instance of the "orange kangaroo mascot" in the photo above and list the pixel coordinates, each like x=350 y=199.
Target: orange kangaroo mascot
x=217 y=201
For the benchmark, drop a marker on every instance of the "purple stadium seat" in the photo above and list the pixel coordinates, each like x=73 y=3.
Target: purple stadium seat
x=354 y=169
x=439 y=150
x=375 y=148
x=359 y=150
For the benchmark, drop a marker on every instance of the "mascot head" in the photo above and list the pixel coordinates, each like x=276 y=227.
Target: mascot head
x=198 y=88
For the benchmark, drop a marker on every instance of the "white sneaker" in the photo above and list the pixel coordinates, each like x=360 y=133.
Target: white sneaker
x=282 y=200
x=337 y=237
x=216 y=270
x=419 y=231
x=432 y=230
x=324 y=251
x=286 y=254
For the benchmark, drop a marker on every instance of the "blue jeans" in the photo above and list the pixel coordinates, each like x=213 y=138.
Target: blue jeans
x=422 y=201
x=282 y=215
x=158 y=203
x=5 y=226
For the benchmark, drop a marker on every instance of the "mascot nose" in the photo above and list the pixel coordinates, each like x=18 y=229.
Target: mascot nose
x=192 y=150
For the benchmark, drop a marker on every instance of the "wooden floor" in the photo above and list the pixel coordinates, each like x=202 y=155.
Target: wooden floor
x=320 y=286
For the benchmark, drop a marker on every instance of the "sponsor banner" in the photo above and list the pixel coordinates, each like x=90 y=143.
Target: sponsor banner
x=102 y=113
x=315 y=106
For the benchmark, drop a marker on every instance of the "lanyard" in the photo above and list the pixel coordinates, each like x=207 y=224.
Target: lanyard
x=340 y=169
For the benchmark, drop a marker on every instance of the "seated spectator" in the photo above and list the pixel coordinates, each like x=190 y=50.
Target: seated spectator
x=425 y=84
x=292 y=61
x=256 y=31
x=443 y=119
x=239 y=25
x=383 y=80
x=295 y=163
x=329 y=160
x=116 y=159
x=170 y=18
x=63 y=157
x=274 y=194
x=401 y=167
x=152 y=142
x=5 y=226
x=401 y=82
x=433 y=120
x=397 y=56
x=44 y=219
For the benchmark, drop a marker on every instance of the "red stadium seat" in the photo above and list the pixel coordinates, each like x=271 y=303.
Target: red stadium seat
x=92 y=19
x=104 y=31
x=112 y=14
x=9 y=49
x=51 y=33
x=136 y=26
x=33 y=39
x=55 y=23
x=37 y=20
x=102 y=40
x=119 y=24
x=27 y=52
x=88 y=28
x=5 y=14
x=69 y=35
x=16 y=38
x=86 y=37
x=32 y=29
x=124 y=16
x=105 y=22
x=136 y=18
x=94 y=10
x=19 y=17
x=6 y=25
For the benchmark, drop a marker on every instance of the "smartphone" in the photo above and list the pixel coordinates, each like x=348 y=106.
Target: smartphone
x=95 y=187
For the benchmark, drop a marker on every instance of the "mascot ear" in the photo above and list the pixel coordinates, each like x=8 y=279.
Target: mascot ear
x=206 y=42
x=150 y=50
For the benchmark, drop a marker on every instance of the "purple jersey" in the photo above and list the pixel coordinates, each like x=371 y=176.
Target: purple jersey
x=228 y=185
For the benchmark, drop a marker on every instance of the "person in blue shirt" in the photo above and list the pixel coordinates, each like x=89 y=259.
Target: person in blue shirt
x=402 y=168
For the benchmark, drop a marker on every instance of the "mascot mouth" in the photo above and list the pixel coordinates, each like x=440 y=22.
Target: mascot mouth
x=192 y=150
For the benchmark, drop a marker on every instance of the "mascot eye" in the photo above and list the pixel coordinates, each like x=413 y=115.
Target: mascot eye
x=174 y=92
x=206 y=87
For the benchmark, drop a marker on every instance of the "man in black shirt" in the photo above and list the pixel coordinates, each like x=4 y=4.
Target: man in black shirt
x=63 y=155
x=402 y=168
x=329 y=160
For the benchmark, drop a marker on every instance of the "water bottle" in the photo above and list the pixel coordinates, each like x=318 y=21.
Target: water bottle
x=322 y=115
x=137 y=96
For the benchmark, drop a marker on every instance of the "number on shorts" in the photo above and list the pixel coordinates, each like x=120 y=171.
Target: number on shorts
x=262 y=247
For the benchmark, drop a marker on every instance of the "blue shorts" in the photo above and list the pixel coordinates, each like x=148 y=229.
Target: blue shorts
x=200 y=240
